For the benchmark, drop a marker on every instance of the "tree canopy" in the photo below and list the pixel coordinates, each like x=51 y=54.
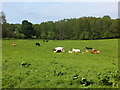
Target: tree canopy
x=27 y=29
x=74 y=28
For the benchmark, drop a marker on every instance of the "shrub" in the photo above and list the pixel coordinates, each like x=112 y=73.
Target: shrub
x=20 y=36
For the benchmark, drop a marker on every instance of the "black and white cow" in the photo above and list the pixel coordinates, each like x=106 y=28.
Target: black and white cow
x=37 y=44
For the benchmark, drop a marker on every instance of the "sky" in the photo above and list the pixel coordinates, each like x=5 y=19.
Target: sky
x=37 y=12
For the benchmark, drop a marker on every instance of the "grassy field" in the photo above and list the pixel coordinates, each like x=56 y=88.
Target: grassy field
x=45 y=69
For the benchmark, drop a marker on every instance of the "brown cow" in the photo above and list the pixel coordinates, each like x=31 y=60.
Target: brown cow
x=14 y=44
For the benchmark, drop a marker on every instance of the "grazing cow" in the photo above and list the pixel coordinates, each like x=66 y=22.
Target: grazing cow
x=76 y=50
x=89 y=48
x=37 y=44
x=70 y=52
x=14 y=44
x=54 y=49
x=95 y=51
x=58 y=49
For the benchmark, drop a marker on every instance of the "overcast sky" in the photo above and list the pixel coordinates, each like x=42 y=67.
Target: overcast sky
x=37 y=12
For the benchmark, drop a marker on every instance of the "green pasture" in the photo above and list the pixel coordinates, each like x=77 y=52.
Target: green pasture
x=46 y=69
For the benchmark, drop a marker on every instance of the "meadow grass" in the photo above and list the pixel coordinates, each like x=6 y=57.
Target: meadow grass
x=47 y=69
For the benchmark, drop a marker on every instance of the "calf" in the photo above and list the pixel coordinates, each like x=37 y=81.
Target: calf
x=76 y=50
x=95 y=51
x=14 y=44
x=70 y=52
x=37 y=44
x=89 y=48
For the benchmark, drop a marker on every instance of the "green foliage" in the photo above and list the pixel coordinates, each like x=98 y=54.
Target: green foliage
x=82 y=28
x=37 y=30
x=44 y=36
x=20 y=36
x=73 y=29
x=51 y=35
x=27 y=29
x=3 y=23
x=109 y=79
x=28 y=66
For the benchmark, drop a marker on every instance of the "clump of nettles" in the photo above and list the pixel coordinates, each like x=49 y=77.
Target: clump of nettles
x=82 y=80
x=109 y=79
x=86 y=82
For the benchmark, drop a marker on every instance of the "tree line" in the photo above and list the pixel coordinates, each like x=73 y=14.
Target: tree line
x=84 y=28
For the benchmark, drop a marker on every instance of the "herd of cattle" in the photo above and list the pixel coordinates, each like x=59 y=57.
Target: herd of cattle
x=88 y=49
x=61 y=49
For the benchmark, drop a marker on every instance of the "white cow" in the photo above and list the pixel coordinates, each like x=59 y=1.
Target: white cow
x=76 y=50
x=59 y=49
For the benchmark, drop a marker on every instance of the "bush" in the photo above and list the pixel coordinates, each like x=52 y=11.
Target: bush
x=20 y=36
